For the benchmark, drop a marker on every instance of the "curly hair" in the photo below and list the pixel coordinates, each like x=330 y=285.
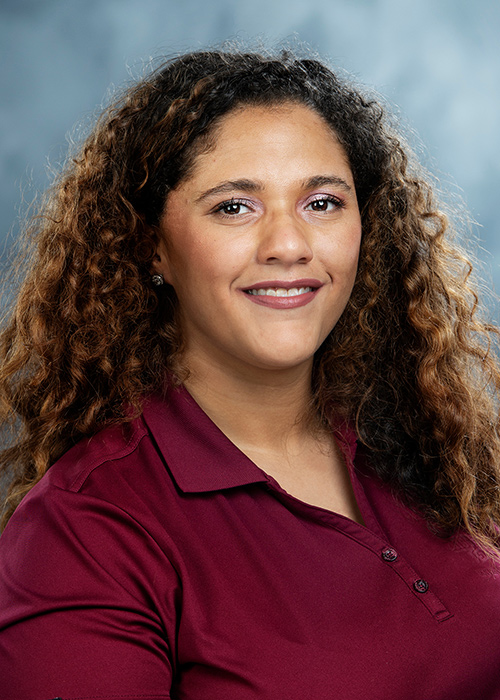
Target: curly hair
x=409 y=361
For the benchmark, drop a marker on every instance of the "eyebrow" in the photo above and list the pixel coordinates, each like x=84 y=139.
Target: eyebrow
x=320 y=180
x=231 y=185
x=245 y=185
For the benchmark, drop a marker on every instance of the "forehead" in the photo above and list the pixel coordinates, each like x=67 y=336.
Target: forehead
x=289 y=132
x=245 y=117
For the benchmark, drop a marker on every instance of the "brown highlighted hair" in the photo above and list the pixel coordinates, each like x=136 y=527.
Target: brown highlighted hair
x=409 y=361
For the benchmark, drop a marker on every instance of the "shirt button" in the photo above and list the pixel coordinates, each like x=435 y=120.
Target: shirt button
x=420 y=585
x=389 y=554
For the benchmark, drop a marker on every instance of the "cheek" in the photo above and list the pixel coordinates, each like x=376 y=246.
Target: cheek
x=186 y=258
x=343 y=255
x=216 y=262
x=354 y=244
x=354 y=261
x=201 y=274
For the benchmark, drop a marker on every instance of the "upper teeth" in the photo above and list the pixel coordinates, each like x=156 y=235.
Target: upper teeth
x=279 y=291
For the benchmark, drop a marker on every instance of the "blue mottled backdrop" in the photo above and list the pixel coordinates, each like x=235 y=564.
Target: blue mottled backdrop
x=438 y=61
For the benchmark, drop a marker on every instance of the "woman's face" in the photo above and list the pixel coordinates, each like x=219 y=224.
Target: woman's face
x=261 y=241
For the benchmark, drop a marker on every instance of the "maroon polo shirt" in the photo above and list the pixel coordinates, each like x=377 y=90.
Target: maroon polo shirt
x=157 y=561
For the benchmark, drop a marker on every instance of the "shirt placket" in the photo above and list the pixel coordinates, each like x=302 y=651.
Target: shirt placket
x=372 y=537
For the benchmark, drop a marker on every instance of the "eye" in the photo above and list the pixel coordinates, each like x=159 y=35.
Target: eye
x=232 y=207
x=325 y=203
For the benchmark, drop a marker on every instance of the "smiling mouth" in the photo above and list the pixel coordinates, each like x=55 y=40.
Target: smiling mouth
x=279 y=291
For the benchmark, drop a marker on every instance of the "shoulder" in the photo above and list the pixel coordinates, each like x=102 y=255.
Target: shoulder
x=89 y=542
x=95 y=505
x=103 y=453
x=97 y=467
x=115 y=476
x=133 y=451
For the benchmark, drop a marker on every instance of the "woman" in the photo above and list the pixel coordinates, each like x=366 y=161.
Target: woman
x=240 y=278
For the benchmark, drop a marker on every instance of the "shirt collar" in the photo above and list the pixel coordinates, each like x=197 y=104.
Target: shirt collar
x=198 y=454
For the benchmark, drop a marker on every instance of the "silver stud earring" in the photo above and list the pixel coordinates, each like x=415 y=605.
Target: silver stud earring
x=157 y=280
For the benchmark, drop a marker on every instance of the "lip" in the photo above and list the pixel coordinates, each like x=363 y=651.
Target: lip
x=284 y=284
x=284 y=302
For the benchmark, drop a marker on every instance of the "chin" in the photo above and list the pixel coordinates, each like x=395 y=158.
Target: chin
x=287 y=355
x=284 y=361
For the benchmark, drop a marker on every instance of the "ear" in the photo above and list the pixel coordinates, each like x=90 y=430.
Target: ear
x=160 y=263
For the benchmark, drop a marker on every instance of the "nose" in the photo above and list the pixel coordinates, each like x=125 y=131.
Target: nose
x=284 y=240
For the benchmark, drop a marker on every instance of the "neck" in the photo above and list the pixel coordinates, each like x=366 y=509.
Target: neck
x=262 y=408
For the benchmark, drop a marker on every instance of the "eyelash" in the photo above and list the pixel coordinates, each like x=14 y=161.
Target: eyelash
x=339 y=203
x=219 y=209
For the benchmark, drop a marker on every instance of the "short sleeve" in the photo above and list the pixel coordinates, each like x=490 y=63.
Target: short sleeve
x=87 y=603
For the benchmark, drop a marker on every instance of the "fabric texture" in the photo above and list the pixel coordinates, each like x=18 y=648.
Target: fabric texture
x=156 y=561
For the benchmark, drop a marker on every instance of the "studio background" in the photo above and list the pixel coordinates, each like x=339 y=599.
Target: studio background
x=437 y=61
